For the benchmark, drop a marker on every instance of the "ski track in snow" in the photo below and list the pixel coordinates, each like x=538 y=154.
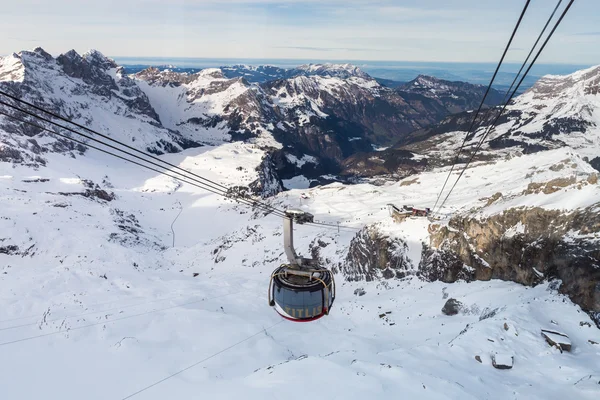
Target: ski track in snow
x=150 y=317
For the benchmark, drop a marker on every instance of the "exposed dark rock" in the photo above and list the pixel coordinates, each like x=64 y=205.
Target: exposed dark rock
x=371 y=254
x=91 y=69
x=43 y=53
x=35 y=180
x=595 y=163
x=10 y=154
x=268 y=182
x=557 y=339
x=452 y=307
x=502 y=361
x=92 y=194
x=538 y=254
x=443 y=265
x=9 y=250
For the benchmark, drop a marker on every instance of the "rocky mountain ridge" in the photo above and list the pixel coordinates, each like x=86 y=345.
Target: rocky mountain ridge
x=558 y=111
x=89 y=89
x=327 y=112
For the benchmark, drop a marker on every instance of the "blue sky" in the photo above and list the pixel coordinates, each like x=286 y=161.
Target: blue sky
x=410 y=30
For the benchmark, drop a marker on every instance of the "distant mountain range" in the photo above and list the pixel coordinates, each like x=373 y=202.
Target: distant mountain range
x=395 y=71
x=326 y=112
x=558 y=111
x=334 y=115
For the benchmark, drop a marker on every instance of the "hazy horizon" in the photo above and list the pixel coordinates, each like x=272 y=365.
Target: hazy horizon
x=402 y=70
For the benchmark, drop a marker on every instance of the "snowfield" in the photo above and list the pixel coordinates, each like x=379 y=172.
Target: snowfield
x=97 y=303
x=117 y=282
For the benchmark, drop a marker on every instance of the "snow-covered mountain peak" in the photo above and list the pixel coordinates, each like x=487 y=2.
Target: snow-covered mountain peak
x=31 y=58
x=97 y=58
x=40 y=51
x=12 y=68
x=343 y=71
x=212 y=73
x=425 y=80
x=71 y=55
x=455 y=96
x=580 y=83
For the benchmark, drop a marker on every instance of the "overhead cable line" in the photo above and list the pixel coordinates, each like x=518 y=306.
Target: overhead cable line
x=482 y=101
x=91 y=305
x=241 y=200
x=175 y=169
x=202 y=185
x=92 y=131
x=264 y=330
x=487 y=132
x=333 y=226
x=489 y=110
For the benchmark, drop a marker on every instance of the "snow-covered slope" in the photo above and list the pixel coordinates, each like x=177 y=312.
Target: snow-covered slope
x=117 y=282
x=88 y=89
x=207 y=102
x=557 y=111
x=95 y=292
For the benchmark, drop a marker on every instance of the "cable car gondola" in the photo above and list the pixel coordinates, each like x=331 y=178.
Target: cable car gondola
x=300 y=291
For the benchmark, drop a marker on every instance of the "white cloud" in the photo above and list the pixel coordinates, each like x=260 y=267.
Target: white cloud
x=425 y=30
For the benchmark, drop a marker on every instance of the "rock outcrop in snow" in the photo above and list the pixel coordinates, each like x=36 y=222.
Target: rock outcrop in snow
x=526 y=245
x=373 y=255
x=268 y=183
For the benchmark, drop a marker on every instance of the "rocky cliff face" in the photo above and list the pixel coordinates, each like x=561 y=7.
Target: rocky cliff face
x=523 y=245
